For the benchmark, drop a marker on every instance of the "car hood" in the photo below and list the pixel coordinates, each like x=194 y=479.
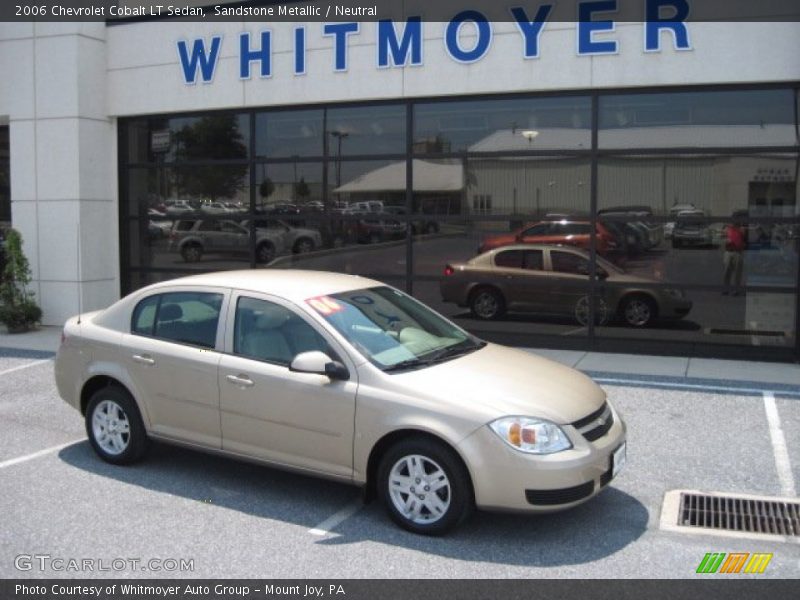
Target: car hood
x=498 y=381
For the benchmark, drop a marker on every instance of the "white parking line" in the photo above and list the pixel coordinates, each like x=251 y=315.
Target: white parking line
x=40 y=453
x=687 y=386
x=25 y=366
x=779 y=448
x=337 y=518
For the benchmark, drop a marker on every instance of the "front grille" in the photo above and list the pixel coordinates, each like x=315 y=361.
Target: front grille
x=597 y=424
x=733 y=513
x=561 y=496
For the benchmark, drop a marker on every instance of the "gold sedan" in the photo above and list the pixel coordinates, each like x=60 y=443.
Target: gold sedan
x=345 y=378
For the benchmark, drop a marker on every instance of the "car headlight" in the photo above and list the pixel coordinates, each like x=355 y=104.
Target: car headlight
x=534 y=436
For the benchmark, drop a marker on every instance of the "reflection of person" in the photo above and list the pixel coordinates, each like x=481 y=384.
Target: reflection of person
x=733 y=258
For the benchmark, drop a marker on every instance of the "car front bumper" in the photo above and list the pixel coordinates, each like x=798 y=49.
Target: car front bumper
x=505 y=479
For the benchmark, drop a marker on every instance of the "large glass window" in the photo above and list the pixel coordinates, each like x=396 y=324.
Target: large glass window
x=285 y=134
x=170 y=139
x=366 y=131
x=680 y=226
x=503 y=125
x=698 y=119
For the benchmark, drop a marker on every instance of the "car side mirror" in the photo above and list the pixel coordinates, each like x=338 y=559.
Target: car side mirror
x=319 y=363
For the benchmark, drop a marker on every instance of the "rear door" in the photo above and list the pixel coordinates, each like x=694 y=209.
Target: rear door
x=172 y=353
x=570 y=280
x=301 y=420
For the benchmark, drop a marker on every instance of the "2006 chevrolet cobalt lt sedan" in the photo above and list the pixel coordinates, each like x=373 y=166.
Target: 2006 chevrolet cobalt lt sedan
x=342 y=377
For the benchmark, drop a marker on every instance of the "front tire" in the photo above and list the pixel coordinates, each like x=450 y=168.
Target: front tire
x=424 y=486
x=265 y=252
x=638 y=311
x=114 y=426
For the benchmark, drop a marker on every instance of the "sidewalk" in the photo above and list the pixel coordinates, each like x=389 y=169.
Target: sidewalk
x=605 y=367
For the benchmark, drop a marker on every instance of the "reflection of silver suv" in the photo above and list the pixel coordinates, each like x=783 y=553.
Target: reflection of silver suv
x=690 y=230
x=298 y=239
x=193 y=238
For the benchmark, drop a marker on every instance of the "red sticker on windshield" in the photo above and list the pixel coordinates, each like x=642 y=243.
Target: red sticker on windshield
x=325 y=305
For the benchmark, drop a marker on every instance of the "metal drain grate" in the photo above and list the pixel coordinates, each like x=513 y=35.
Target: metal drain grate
x=747 y=515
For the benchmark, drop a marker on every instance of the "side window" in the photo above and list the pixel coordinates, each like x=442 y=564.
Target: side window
x=231 y=227
x=208 y=226
x=270 y=332
x=566 y=262
x=511 y=259
x=183 y=317
x=534 y=260
x=540 y=229
x=144 y=316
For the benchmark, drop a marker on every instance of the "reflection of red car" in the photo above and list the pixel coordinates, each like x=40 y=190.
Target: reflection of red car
x=563 y=232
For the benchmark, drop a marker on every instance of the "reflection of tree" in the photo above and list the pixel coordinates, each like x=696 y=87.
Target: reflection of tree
x=301 y=189
x=266 y=188
x=212 y=138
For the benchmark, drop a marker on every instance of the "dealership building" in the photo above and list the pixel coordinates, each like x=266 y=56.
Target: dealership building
x=138 y=150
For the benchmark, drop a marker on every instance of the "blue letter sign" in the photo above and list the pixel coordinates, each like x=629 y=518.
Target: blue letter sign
x=398 y=50
x=207 y=63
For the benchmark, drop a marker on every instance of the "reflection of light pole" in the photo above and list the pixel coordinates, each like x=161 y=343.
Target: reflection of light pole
x=294 y=179
x=339 y=135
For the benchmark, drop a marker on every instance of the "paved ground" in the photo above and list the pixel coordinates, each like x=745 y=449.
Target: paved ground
x=239 y=520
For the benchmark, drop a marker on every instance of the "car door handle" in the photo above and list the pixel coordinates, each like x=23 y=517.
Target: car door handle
x=240 y=379
x=145 y=359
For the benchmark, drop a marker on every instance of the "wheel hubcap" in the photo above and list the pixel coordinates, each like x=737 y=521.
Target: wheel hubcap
x=486 y=305
x=582 y=311
x=419 y=489
x=637 y=312
x=111 y=428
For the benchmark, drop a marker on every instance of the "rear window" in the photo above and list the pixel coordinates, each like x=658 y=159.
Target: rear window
x=184 y=225
x=510 y=259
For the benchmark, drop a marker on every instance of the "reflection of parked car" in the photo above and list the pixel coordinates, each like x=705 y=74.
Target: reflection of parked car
x=563 y=231
x=299 y=239
x=690 y=230
x=418 y=226
x=193 y=238
x=674 y=210
x=554 y=280
x=342 y=377
x=180 y=207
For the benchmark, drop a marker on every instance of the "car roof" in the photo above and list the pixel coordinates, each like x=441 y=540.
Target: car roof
x=564 y=247
x=292 y=284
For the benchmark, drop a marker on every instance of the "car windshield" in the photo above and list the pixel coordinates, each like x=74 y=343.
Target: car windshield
x=392 y=330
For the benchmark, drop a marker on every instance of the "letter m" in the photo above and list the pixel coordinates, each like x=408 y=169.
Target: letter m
x=711 y=562
x=397 y=51
x=198 y=58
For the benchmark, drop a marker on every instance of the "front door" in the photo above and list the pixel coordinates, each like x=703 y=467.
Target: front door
x=301 y=420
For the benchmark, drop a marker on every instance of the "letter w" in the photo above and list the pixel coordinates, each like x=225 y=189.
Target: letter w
x=206 y=62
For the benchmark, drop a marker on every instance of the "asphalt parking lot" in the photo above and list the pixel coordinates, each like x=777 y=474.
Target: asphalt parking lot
x=239 y=520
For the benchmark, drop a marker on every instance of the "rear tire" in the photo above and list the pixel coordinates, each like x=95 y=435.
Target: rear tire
x=115 y=427
x=424 y=486
x=487 y=303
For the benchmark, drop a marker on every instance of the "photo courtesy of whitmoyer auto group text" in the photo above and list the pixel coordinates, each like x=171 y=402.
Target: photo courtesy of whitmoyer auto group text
x=399 y=299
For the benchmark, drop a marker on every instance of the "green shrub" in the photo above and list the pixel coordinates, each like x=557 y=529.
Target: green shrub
x=18 y=308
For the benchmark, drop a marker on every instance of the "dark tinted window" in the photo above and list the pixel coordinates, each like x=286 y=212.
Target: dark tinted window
x=572 y=229
x=566 y=262
x=509 y=258
x=184 y=317
x=540 y=229
x=534 y=260
x=270 y=332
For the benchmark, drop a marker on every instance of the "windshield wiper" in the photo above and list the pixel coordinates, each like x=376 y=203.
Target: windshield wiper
x=411 y=363
x=453 y=351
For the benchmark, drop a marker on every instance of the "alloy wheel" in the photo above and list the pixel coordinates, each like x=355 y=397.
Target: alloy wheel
x=419 y=489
